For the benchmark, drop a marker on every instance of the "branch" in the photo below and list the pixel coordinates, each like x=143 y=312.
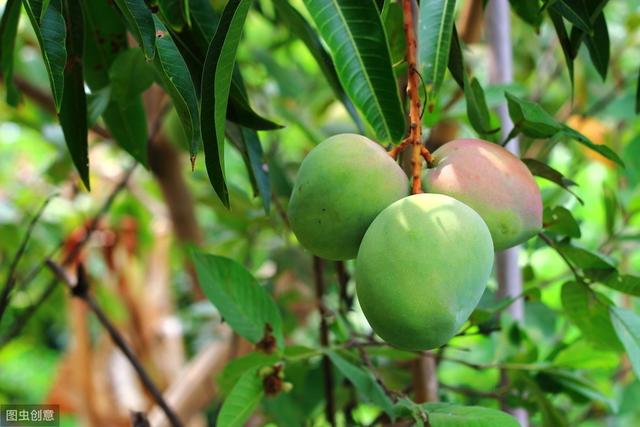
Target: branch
x=23 y=317
x=330 y=408
x=415 y=120
x=81 y=290
x=11 y=275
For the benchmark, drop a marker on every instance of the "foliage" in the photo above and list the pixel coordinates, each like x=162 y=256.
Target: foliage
x=75 y=74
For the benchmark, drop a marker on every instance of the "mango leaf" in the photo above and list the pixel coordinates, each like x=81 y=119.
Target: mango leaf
x=355 y=35
x=234 y=370
x=532 y=120
x=172 y=71
x=241 y=401
x=248 y=143
x=538 y=168
x=141 y=23
x=243 y=303
x=559 y=220
x=573 y=11
x=105 y=37
x=363 y=381
x=456 y=59
x=574 y=384
x=73 y=108
x=130 y=75
x=435 y=30
x=551 y=416
x=298 y=25
x=51 y=33
x=239 y=110
x=591 y=264
x=97 y=103
x=627 y=326
x=611 y=208
x=589 y=9
x=450 y=415
x=175 y=12
x=589 y=311
x=9 y=29
x=598 y=45
x=528 y=11
x=624 y=283
x=216 y=83
x=477 y=109
x=565 y=43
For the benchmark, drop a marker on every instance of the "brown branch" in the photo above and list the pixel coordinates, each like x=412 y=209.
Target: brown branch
x=23 y=317
x=80 y=289
x=330 y=408
x=415 y=121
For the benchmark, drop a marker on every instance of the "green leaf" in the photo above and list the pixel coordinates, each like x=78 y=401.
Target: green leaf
x=97 y=103
x=243 y=303
x=73 y=108
x=456 y=59
x=355 y=35
x=559 y=220
x=575 y=384
x=130 y=75
x=574 y=12
x=538 y=168
x=363 y=381
x=237 y=367
x=551 y=416
x=450 y=415
x=589 y=311
x=528 y=11
x=625 y=283
x=51 y=34
x=611 y=207
x=598 y=148
x=592 y=265
x=477 y=109
x=299 y=26
x=638 y=94
x=241 y=401
x=530 y=118
x=216 y=83
x=239 y=110
x=248 y=143
x=565 y=43
x=141 y=23
x=598 y=45
x=173 y=73
x=627 y=326
x=175 y=12
x=9 y=29
x=105 y=38
x=435 y=30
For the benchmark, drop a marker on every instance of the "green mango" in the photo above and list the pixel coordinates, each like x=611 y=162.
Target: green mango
x=343 y=183
x=421 y=270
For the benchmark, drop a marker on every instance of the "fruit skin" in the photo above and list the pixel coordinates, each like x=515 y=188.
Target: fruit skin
x=342 y=185
x=494 y=182
x=421 y=270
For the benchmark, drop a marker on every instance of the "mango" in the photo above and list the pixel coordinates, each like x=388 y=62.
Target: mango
x=492 y=181
x=342 y=185
x=421 y=269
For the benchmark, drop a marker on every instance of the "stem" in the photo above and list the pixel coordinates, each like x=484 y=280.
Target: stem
x=330 y=408
x=11 y=275
x=81 y=290
x=415 y=121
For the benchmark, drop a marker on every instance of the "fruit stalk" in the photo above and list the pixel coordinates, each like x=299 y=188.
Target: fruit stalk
x=415 y=120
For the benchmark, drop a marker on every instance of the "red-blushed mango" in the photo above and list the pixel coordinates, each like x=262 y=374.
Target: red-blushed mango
x=342 y=185
x=421 y=269
x=494 y=182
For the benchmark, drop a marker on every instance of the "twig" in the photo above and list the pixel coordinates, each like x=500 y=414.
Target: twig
x=566 y=260
x=330 y=408
x=415 y=121
x=23 y=317
x=367 y=361
x=81 y=290
x=11 y=275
